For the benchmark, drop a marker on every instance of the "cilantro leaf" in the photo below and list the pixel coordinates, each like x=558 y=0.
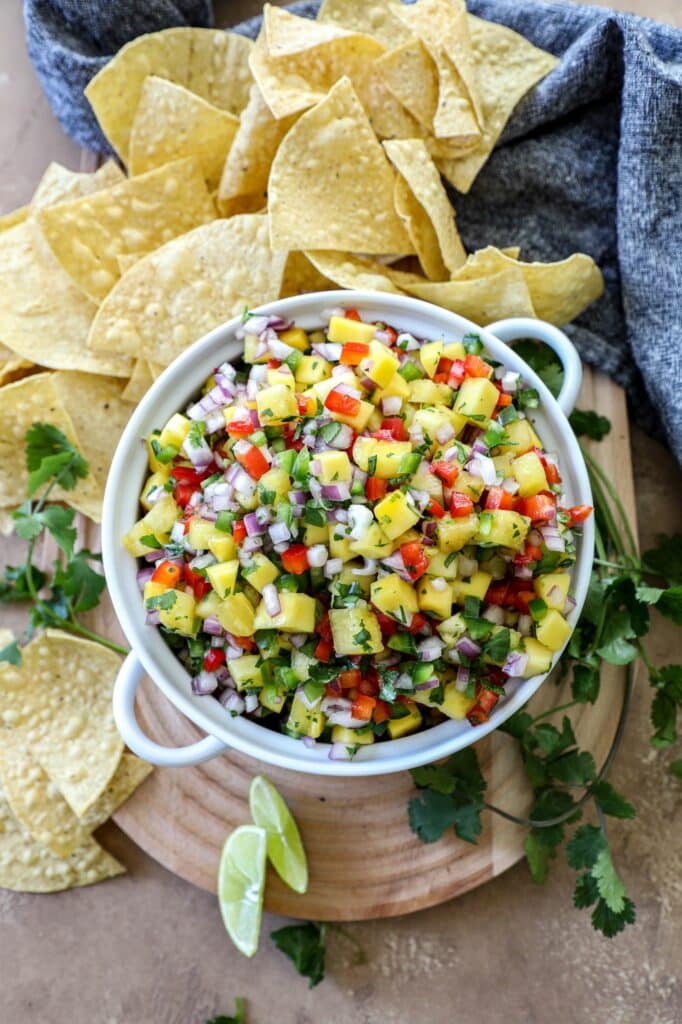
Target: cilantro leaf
x=80 y=582
x=14 y=585
x=497 y=647
x=161 y=602
x=453 y=798
x=431 y=814
x=54 y=518
x=676 y=768
x=546 y=364
x=611 y=802
x=238 y=1017
x=434 y=776
x=11 y=653
x=49 y=453
x=664 y=720
x=586 y=423
x=551 y=803
x=586 y=892
x=584 y=846
x=573 y=768
x=615 y=647
x=666 y=559
x=609 y=884
x=608 y=923
x=670 y=604
x=586 y=683
x=551 y=741
x=538 y=856
x=304 y=945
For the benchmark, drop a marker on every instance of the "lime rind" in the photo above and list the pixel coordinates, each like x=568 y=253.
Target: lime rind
x=284 y=845
x=241 y=882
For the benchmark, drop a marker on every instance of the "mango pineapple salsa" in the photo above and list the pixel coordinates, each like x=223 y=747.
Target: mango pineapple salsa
x=354 y=534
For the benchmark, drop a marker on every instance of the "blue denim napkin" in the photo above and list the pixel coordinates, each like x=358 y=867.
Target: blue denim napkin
x=591 y=161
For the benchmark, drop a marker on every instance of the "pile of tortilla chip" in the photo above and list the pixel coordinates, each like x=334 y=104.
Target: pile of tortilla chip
x=63 y=769
x=313 y=158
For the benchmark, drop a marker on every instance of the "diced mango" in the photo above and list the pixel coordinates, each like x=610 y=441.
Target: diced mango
x=335 y=467
x=359 y=420
x=223 y=577
x=503 y=464
x=222 y=545
x=348 y=578
x=388 y=455
x=341 y=330
x=454 y=350
x=520 y=437
x=455 y=704
x=200 y=530
x=297 y=614
x=355 y=631
x=322 y=389
x=246 y=671
x=396 y=386
x=352 y=737
x=441 y=564
x=396 y=513
x=427 y=392
x=453 y=534
x=475 y=586
x=152 y=483
x=395 y=597
x=157 y=523
x=236 y=616
x=305 y=721
x=209 y=606
x=434 y=601
x=312 y=369
x=251 y=346
x=476 y=399
x=276 y=405
x=181 y=616
x=452 y=629
x=410 y=722
x=260 y=571
x=530 y=473
x=296 y=337
x=539 y=657
x=313 y=534
x=553 y=631
x=276 y=377
x=467 y=483
x=433 y=418
x=430 y=356
x=275 y=481
x=503 y=528
x=153 y=589
x=374 y=543
x=154 y=464
x=380 y=365
x=273 y=697
x=552 y=587
x=339 y=543
x=175 y=431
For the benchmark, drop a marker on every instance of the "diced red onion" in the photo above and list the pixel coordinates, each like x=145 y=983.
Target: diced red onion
x=339 y=712
x=224 y=678
x=340 y=371
x=570 y=604
x=307 y=703
x=339 y=752
x=317 y=556
x=244 y=484
x=143 y=576
x=430 y=528
x=343 y=439
x=333 y=567
x=212 y=626
x=483 y=467
x=253 y=527
x=273 y=605
x=535 y=538
x=336 y=492
x=552 y=538
x=479 y=447
x=279 y=349
x=510 y=381
x=368 y=569
x=297 y=497
x=422 y=499
x=466 y=646
x=232 y=702
x=382 y=336
x=523 y=572
x=510 y=485
x=445 y=433
x=298 y=639
x=391 y=405
x=328 y=350
x=251 y=544
x=462 y=678
x=153 y=618
x=250 y=702
x=406 y=342
x=430 y=649
x=263 y=514
x=199 y=455
x=404 y=681
x=346 y=389
x=555 y=596
x=204 y=683
x=515 y=664
x=451 y=453
x=279 y=533
x=232 y=651
x=494 y=614
x=203 y=560
x=466 y=567
x=416 y=434
x=430 y=684
x=439 y=584
x=328 y=313
x=359 y=475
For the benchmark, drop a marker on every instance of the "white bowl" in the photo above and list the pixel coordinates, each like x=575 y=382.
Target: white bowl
x=172 y=392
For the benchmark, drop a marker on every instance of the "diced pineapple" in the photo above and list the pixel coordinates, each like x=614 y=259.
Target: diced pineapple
x=388 y=455
x=503 y=528
x=395 y=597
x=396 y=386
x=246 y=671
x=276 y=405
x=301 y=665
x=335 y=467
x=175 y=431
x=396 y=513
x=223 y=577
x=373 y=544
x=552 y=587
x=452 y=629
x=260 y=571
x=313 y=534
x=441 y=564
x=427 y=481
x=476 y=586
x=427 y=392
x=410 y=722
x=352 y=737
x=339 y=543
x=273 y=697
x=276 y=377
x=539 y=658
x=312 y=369
x=359 y=420
x=477 y=397
x=380 y=365
x=521 y=438
x=157 y=523
x=455 y=704
x=435 y=602
x=454 y=350
x=530 y=474
x=355 y=631
x=275 y=481
x=340 y=330
x=236 y=616
x=305 y=721
x=453 y=534
x=503 y=464
x=209 y=606
x=153 y=482
x=430 y=356
x=375 y=420
x=297 y=614
x=181 y=616
x=200 y=530
x=222 y=545
x=322 y=389
x=348 y=578
x=432 y=419
x=553 y=631
x=296 y=337
x=251 y=345
x=154 y=464
x=467 y=483
x=153 y=589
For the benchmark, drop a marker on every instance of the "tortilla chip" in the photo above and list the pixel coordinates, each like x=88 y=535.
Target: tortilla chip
x=59 y=699
x=86 y=235
x=44 y=317
x=58 y=183
x=26 y=866
x=376 y=18
x=38 y=805
x=350 y=271
x=140 y=382
x=125 y=261
x=331 y=185
x=247 y=168
x=209 y=62
x=508 y=67
x=437 y=242
x=155 y=369
x=14 y=217
x=287 y=35
x=559 y=291
x=171 y=122
x=301 y=277
x=411 y=75
x=173 y=296
x=13 y=369
x=483 y=299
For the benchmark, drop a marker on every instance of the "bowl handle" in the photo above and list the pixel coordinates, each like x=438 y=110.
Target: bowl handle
x=517 y=328
x=125 y=688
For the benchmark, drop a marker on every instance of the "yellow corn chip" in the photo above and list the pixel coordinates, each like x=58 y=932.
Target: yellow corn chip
x=209 y=62
x=376 y=18
x=13 y=369
x=482 y=299
x=350 y=271
x=434 y=232
x=155 y=369
x=14 y=217
x=301 y=277
x=173 y=296
x=140 y=382
x=171 y=122
x=411 y=75
x=58 y=183
x=331 y=186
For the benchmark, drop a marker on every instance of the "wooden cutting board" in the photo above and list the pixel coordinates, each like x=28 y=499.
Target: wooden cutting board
x=364 y=860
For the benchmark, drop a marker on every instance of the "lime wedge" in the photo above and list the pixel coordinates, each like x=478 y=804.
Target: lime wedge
x=285 y=848
x=241 y=880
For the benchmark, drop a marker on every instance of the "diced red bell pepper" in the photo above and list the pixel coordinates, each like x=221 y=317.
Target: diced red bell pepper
x=352 y=314
x=199 y=585
x=344 y=405
x=370 y=684
x=441 y=378
x=295 y=559
x=418 y=622
x=444 y=365
x=456 y=375
x=254 y=462
x=324 y=627
x=504 y=400
x=350 y=678
x=324 y=649
x=238 y=531
x=240 y=428
x=392 y=335
x=363 y=707
x=415 y=558
x=383 y=435
x=485 y=702
x=332 y=689
x=290 y=439
x=189 y=475
x=214 y=658
x=540 y=508
x=183 y=492
x=381 y=711
x=497 y=497
x=447 y=470
x=460 y=505
x=247 y=643
x=376 y=488
x=530 y=553
x=387 y=625
x=396 y=427
x=474 y=366
x=435 y=509
x=167 y=573
x=274 y=364
x=579 y=513
x=353 y=352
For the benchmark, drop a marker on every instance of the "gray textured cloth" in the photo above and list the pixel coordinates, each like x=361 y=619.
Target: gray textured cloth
x=590 y=161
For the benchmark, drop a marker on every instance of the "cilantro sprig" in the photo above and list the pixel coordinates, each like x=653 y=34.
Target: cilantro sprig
x=74 y=585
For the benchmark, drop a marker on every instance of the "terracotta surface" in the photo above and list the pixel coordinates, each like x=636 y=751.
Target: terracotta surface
x=150 y=949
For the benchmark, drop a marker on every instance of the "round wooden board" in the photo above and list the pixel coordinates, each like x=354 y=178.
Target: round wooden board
x=364 y=860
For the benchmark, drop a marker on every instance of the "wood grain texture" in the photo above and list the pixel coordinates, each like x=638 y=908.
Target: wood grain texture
x=364 y=860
